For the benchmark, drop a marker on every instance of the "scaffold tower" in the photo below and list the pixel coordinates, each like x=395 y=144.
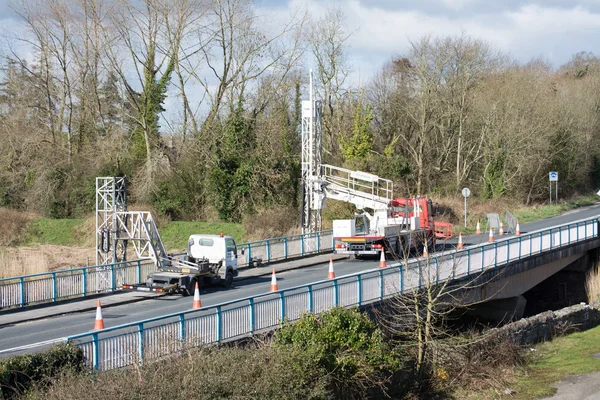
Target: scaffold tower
x=313 y=194
x=111 y=198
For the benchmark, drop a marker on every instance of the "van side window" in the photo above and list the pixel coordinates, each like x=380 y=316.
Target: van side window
x=231 y=246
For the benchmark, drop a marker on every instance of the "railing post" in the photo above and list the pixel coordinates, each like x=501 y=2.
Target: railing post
x=530 y=245
x=468 y=261
x=318 y=242
x=508 y=251
x=95 y=352
x=140 y=343
x=541 y=243
x=495 y=254
x=285 y=248
x=84 y=281
x=268 y=250
x=577 y=227
x=54 y=287
x=482 y=258
x=22 y=290
x=219 y=327
x=520 y=247
x=302 y=245
x=138 y=276
x=401 y=278
x=310 y=299
x=112 y=277
x=335 y=293
x=358 y=290
x=181 y=327
x=569 y=234
x=282 y=303
x=559 y=236
x=249 y=254
x=380 y=285
x=251 y=314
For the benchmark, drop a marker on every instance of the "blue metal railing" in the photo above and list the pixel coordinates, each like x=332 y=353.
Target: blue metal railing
x=21 y=291
x=131 y=343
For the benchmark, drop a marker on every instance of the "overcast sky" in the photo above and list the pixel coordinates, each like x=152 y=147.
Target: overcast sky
x=551 y=29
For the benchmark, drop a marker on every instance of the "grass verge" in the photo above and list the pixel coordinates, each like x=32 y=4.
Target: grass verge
x=175 y=234
x=555 y=360
x=61 y=232
x=528 y=214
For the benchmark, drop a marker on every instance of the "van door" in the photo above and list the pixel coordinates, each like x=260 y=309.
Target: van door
x=231 y=250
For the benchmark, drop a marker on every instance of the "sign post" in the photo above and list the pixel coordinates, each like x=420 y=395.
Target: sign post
x=466 y=193
x=553 y=177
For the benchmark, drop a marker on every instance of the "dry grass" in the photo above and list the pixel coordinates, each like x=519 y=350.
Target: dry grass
x=276 y=222
x=13 y=224
x=452 y=209
x=592 y=284
x=16 y=261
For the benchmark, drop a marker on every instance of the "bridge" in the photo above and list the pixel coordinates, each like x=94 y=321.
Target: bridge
x=508 y=267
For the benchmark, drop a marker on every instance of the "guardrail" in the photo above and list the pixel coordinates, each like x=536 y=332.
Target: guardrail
x=21 y=291
x=153 y=338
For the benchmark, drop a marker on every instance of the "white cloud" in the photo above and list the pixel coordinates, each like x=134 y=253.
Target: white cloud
x=525 y=31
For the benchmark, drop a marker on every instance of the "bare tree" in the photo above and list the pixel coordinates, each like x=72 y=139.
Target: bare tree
x=327 y=38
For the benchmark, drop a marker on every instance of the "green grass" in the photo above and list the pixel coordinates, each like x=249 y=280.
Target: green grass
x=175 y=234
x=555 y=360
x=528 y=214
x=54 y=231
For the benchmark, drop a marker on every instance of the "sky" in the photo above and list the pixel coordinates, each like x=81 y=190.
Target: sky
x=551 y=29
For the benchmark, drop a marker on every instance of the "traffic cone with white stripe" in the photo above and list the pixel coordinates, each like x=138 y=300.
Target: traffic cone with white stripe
x=274 y=286
x=518 y=230
x=99 y=324
x=425 y=252
x=460 y=242
x=382 y=263
x=501 y=231
x=331 y=274
x=196 y=304
x=478 y=230
x=491 y=237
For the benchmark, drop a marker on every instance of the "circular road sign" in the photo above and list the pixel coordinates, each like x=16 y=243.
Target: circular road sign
x=466 y=192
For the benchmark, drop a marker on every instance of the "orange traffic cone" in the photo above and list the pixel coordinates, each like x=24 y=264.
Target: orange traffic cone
x=478 y=231
x=491 y=237
x=460 y=242
x=425 y=252
x=518 y=230
x=501 y=231
x=274 y=286
x=99 y=324
x=331 y=274
x=382 y=263
x=196 y=304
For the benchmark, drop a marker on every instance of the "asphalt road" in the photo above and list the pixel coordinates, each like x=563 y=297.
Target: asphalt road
x=70 y=324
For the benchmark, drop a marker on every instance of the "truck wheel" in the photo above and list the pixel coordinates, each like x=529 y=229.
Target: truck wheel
x=189 y=289
x=228 y=279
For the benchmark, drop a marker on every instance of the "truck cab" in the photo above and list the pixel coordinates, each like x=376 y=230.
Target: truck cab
x=219 y=251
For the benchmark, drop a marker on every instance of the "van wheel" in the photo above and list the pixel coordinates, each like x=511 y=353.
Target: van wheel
x=190 y=287
x=228 y=279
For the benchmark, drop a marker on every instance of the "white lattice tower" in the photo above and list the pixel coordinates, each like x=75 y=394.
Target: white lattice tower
x=111 y=198
x=313 y=195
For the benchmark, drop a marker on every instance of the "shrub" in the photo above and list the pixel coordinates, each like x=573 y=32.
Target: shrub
x=207 y=373
x=347 y=347
x=21 y=373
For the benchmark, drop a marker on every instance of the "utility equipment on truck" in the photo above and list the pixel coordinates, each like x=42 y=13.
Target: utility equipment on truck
x=210 y=259
x=406 y=225
x=397 y=225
